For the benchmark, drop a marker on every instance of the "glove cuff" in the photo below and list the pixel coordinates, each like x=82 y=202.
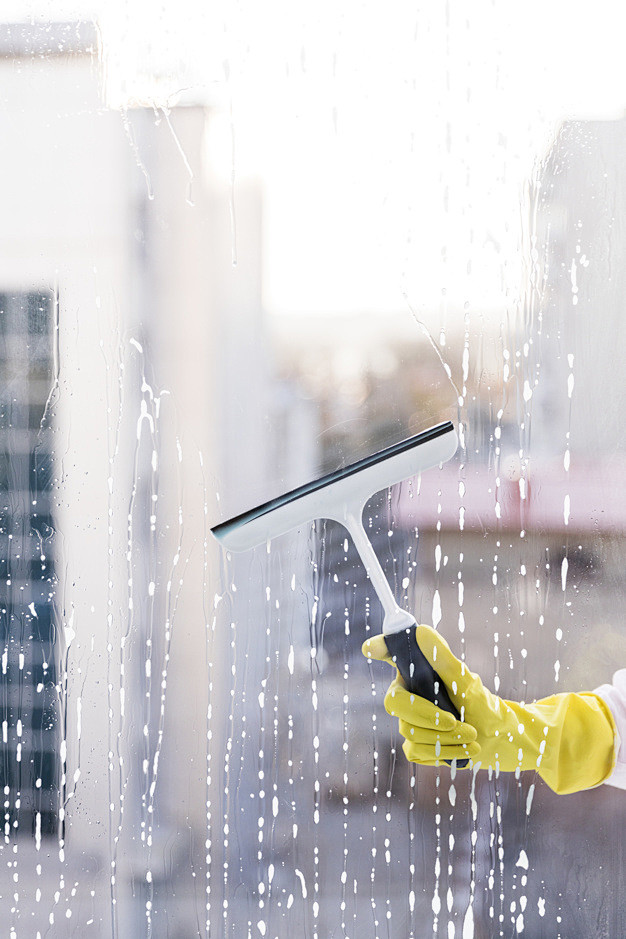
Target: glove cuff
x=614 y=697
x=580 y=742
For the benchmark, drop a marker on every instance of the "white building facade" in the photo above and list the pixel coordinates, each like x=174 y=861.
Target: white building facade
x=115 y=230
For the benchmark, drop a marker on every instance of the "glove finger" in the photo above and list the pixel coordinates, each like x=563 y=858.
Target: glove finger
x=462 y=734
x=376 y=648
x=455 y=674
x=435 y=756
x=416 y=710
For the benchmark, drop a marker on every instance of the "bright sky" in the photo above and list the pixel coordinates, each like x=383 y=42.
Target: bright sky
x=393 y=148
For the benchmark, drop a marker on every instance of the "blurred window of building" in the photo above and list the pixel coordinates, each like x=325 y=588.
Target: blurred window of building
x=31 y=703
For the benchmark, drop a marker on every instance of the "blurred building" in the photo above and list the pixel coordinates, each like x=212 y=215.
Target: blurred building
x=135 y=382
x=576 y=308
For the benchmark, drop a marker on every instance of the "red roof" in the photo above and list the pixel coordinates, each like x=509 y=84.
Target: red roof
x=591 y=497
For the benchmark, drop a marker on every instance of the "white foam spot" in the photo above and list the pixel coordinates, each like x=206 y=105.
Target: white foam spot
x=300 y=875
x=522 y=861
x=436 y=609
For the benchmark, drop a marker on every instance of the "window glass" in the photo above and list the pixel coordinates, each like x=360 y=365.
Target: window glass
x=242 y=246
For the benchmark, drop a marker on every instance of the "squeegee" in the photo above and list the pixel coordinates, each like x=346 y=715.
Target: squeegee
x=341 y=496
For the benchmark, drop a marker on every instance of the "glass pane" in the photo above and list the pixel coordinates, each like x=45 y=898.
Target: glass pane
x=244 y=246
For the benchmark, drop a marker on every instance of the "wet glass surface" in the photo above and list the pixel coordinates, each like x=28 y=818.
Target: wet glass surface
x=243 y=246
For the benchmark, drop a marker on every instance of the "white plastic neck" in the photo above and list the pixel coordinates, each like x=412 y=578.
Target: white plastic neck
x=395 y=618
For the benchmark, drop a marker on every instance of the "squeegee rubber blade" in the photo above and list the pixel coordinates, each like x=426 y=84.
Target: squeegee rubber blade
x=357 y=481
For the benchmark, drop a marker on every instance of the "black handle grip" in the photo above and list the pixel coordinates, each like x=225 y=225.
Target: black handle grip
x=418 y=674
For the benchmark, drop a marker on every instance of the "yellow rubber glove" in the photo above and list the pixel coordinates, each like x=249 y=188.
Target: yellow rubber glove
x=569 y=739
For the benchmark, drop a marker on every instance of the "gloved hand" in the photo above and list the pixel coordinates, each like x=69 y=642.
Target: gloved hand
x=569 y=739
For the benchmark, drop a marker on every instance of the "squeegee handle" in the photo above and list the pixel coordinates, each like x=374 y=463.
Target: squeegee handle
x=418 y=674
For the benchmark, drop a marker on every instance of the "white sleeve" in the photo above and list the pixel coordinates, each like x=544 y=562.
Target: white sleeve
x=614 y=696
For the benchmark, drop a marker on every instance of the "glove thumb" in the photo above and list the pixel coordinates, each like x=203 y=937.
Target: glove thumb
x=376 y=648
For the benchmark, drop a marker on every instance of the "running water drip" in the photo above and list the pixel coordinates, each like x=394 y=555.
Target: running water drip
x=433 y=343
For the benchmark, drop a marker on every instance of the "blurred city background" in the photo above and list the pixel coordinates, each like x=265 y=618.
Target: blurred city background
x=241 y=247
